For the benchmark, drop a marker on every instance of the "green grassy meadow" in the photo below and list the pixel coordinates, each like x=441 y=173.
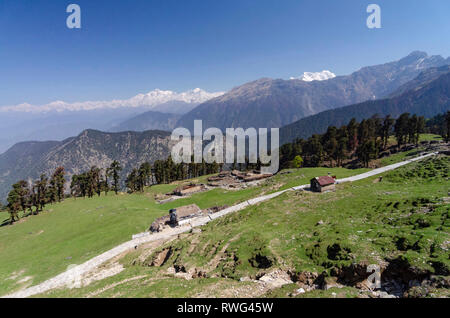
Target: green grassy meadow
x=39 y=247
x=404 y=219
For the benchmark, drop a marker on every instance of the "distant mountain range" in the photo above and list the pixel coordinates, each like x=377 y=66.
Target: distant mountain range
x=427 y=95
x=151 y=100
x=60 y=120
x=417 y=84
x=262 y=103
x=275 y=102
x=27 y=160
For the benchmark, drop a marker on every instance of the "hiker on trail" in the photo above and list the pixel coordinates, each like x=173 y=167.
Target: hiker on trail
x=173 y=217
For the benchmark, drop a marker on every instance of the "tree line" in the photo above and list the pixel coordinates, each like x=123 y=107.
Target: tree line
x=94 y=181
x=167 y=171
x=361 y=140
x=32 y=197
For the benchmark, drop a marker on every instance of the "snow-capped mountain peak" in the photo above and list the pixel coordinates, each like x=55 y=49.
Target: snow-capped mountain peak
x=315 y=76
x=150 y=100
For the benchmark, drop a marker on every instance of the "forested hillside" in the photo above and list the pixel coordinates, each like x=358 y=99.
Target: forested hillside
x=428 y=101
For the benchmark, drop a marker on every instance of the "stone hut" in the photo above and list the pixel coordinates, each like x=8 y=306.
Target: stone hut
x=182 y=213
x=322 y=184
x=188 y=189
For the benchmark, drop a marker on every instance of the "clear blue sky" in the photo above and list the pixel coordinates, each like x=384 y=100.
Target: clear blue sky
x=127 y=47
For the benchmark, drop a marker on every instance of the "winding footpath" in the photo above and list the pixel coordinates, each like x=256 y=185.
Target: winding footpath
x=71 y=275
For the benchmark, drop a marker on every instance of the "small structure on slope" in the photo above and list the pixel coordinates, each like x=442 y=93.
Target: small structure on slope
x=188 y=189
x=322 y=184
x=175 y=216
x=182 y=213
x=188 y=211
x=235 y=178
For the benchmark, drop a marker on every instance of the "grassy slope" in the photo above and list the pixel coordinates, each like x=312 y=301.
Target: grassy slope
x=400 y=156
x=404 y=155
x=76 y=230
x=370 y=221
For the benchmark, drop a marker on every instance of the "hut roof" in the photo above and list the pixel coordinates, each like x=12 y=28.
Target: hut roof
x=325 y=180
x=188 y=210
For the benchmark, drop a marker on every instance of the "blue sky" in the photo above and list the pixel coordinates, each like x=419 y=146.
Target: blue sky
x=129 y=47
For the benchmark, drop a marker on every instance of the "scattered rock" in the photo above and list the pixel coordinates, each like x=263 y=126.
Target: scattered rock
x=331 y=282
x=276 y=278
x=186 y=276
x=162 y=257
x=300 y=291
x=24 y=280
x=305 y=278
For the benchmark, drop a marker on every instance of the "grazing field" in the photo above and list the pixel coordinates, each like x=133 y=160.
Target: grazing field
x=401 y=156
x=323 y=242
x=39 y=247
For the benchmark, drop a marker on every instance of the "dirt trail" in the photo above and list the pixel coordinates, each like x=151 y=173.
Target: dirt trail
x=74 y=273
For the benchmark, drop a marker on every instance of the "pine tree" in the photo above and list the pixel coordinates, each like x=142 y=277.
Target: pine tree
x=330 y=143
x=114 y=171
x=95 y=183
x=106 y=181
x=413 y=124
x=352 y=129
x=388 y=123
x=367 y=151
x=341 y=152
x=13 y=205
x=57 y=183
x=132 y=180
x=17 y=200
x=401 y=129
x=42 y=188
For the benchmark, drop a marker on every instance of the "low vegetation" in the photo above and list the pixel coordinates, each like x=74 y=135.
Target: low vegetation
x=321 y=241
x=359 y=143
x=78 y=229
x=399 y=221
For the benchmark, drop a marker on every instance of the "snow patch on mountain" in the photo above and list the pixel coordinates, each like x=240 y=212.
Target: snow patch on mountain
x=151 y=100
x=315 y=76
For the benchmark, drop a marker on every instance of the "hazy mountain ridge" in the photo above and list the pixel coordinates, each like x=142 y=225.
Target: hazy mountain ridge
x=260 y=103
x=59 y=120
x=27 y=160
x=426 y=98
x=275 y=102
x=151 y=99
x=423 y=79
